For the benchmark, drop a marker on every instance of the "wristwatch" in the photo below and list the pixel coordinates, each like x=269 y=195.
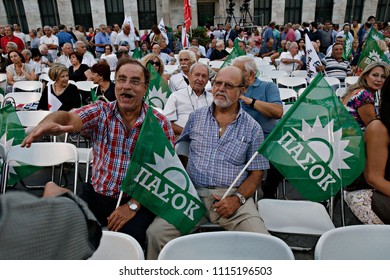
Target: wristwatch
x=253 y=102
x=241 y=198
x=133 y=206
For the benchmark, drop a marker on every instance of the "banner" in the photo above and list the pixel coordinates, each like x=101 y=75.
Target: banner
x=158 y=181
x=318 y=146
x=371 y=53
x=163 y=30
x=312 y=59
x=158 y=90
x=187 y=14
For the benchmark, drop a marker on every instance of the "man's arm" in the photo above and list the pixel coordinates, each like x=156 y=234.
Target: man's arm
x=176 y=128
x=56 y=123
x=270 y=110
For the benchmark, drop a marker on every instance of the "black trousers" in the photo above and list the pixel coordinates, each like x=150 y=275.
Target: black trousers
x=270 y=186
x=102 y=206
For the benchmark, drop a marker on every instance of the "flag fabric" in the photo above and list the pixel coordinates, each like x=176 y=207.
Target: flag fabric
x=184 y=38
x=236 y=52
x=312 y=59
x=12 y=134
x=53 y=103
x=163 y=30
x=187 y=14
x=137 y=54
x=371 y=53
x=157 y=179
x=129 y=20
x=93 y=95
x=374 y=34
x=318 y=146
x=347 y=49
x=158 y=90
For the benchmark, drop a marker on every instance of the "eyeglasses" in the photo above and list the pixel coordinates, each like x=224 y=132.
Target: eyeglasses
x=157 y=63
x=133 y=82
x=228 y=86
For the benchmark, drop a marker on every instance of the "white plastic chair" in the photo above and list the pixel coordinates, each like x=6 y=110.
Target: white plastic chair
x=112 y=76
x=340 y=92
x=118 y=246
x=275 y=74
x=41 y=154
x=299 y=73
x=23 y=86
x=288 y=94
x=45 y=70
x=350 y=80
x=265 y=79
x=295 y=217
x=168 y=69
x=30 y=119
x=46 y=78
x=226 y=245
x=291 y=82
x=205 y=61
x=216 y=64
x=22 y=98
x=357 y=242
x=85 y=85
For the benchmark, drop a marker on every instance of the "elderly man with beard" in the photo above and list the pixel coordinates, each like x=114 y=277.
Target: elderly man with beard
x=222 y=138
x=180 y=80
x=114 y=129
x=185 y=101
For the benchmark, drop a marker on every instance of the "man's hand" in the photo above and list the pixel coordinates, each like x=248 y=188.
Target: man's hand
x=52 y=189
x=246 y=100
x=120 y=217
x=226 y=207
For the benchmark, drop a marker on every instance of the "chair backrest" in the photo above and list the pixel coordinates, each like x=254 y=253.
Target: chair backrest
x=168 y=69
x=42 y=154
x=216 y=64
x=22 y=86
x=226 y=245
x=22 y=98
x=31 y=118
x=299 y=73
x=45 y=70
x=85 y=85
x=291 y=82
x=265 y=79
x=340 y=92
x=288 y=94
x=205 y=61
x=295 y=216
x=357 y=242
x=112 y=76
x=45 y=77
x=118 y=246
x=351 y=80
x=275 y=74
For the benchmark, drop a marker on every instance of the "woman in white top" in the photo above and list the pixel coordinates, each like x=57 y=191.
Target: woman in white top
x=18 y=70
x=110 y=57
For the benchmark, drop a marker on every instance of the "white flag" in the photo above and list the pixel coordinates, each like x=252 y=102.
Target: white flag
x=53 y=103
x=161 y=26
x=184 y=39
x=312 y=59
x=130 y=22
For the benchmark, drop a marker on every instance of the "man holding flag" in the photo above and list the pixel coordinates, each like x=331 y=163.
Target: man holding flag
x=114 y=129
x=222 y=139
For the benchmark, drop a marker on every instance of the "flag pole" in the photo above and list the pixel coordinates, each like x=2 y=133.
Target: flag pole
x=239 y=175
x=119 y=199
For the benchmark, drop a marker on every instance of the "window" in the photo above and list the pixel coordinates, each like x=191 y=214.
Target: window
x=293 y=11
x=324 y=10
x=262 y=12
x=49 y=12
x=114 y=12
x=82 y=13
x=383 y=10
x=147 y=15
x=15 y=13
x=354 y=10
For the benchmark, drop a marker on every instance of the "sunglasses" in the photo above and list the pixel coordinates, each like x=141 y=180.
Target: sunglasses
x=157 y=63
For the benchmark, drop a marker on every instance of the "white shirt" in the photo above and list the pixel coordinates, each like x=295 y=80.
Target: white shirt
x=288 y=67
x=182 y=103
x=111 y=59
x=177 y=82
x=122 y=37
x=50 y=40
x=63 y=59
x=88 y=59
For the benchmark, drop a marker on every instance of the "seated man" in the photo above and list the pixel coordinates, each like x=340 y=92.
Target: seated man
x=185 y=101
x=114 y=128
x=291 y=60
x=222 y=139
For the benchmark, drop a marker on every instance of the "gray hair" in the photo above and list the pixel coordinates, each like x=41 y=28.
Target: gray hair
x=196 y=64
x=12 y=45
x=219 y=43
x=190 y=54
x=249 y=63
x=194 y=49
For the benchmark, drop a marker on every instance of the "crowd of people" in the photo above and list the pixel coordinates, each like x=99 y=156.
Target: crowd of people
x=224 y=115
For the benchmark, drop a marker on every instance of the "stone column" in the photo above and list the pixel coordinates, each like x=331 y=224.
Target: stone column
x=3 y=14
x=370 y=7
x=131 y=9
x=98 y=11
x=308 y=10
x=277 y=11
x=339 y=9
x=65 y=12
x=33 y=20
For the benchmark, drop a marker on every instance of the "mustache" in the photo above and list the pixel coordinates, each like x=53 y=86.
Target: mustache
x=129 y=93
x=222 y=94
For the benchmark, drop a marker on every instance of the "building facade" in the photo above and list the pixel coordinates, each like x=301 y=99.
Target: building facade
x=145 y=13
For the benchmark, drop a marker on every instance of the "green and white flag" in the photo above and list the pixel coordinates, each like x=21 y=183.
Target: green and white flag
x=347 y=49
x=375 y=35
x=158 y=91
x=11 y=134
x=318 y=146
x=236 y=52
x=157 y=179
x=371 y=53
x=137 y=54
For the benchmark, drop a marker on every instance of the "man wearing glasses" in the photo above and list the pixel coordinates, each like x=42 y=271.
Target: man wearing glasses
x=222 y=139
x=114 y=129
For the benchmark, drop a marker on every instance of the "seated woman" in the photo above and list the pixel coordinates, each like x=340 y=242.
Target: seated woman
x=18 y=70
x=110 y=57
x=66 y=93
x=101 y=76
x=77 y=71
x=360 y=97
x=363 y=203
x=157 y=63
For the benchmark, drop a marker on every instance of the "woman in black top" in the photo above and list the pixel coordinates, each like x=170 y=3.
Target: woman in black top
x=101 y=76
x=77 y=71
